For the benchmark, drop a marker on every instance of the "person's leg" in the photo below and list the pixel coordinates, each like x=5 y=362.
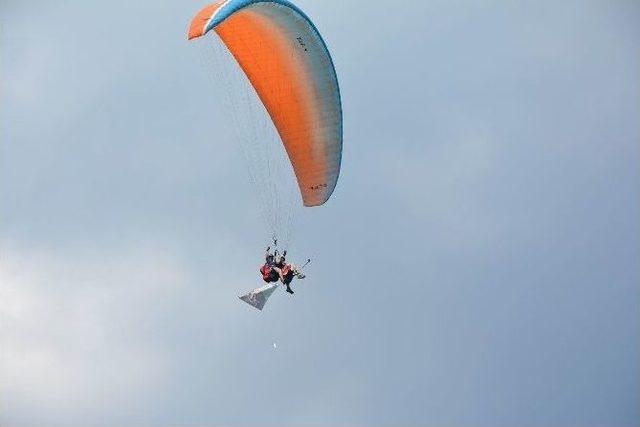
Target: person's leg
x=273 y=276
x=279 y=271
x=297 y=272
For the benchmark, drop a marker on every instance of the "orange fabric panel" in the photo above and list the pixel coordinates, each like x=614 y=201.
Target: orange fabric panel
x=198 y=24
x=281 y=80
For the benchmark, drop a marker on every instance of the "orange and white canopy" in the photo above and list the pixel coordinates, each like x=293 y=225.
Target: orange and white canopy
x=287 y=62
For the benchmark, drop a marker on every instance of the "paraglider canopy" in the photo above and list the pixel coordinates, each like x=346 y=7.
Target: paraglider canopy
x=287 y=62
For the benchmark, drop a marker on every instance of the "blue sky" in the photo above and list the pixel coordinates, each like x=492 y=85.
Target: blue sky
x=478 y=264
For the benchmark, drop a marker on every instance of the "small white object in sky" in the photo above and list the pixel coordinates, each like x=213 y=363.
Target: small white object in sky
x=275 y=345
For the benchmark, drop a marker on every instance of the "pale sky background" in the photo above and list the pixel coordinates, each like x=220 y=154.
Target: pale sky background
x=478 y=264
